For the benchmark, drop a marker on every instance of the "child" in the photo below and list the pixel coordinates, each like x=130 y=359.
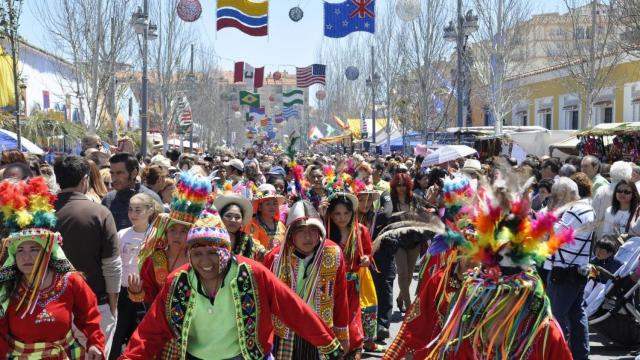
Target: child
x=604 y=250
x=142 y=211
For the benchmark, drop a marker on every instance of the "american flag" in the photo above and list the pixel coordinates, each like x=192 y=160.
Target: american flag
x=289 y=112
x=313 y=74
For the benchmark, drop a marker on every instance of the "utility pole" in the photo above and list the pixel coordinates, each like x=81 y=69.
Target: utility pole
x=144 y=116
x=373 y=98
x=460 y=88
x=192 y=77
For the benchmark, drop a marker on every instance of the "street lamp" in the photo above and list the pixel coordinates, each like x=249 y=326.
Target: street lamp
x=141 y=26
x=459 y=33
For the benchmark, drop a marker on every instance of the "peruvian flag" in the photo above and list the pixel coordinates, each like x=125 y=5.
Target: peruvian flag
x=253 y=77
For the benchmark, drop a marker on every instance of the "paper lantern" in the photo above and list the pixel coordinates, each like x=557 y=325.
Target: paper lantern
x=408 y=10
x=296 y=14
x=189 y=10
x=352 y=73
x=237 y=114
x=277 y=75
x=321 y=95
x=235 y=107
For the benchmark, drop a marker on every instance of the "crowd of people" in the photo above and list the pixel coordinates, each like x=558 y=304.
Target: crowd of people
x=276 y=254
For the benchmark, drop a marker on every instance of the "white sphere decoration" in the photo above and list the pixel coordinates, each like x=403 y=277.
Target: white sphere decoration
x=408 y=10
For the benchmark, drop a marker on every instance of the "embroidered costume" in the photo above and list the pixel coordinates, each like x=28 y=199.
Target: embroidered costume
x=35 y=322
x=319 y=279
x=241 y=309
x=502 y=309
x=257 y=228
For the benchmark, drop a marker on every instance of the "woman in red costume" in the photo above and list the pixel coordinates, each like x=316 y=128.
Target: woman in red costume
x=41 y=295
x=355 y=242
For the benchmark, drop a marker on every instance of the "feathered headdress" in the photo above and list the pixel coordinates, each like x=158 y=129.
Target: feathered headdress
x=28 y=215
x=502 y=306
x=186 y=205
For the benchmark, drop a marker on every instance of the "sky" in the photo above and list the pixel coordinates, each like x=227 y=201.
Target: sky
x=289 y=44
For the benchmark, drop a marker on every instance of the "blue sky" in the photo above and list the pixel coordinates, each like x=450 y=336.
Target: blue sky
x=288 y=44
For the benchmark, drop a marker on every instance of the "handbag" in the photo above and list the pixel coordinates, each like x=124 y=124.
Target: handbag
x=368 y=303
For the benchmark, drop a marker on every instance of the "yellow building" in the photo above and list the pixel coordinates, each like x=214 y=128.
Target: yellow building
x=548 y=98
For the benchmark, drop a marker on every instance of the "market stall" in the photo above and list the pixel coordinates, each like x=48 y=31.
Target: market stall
x=611 y=142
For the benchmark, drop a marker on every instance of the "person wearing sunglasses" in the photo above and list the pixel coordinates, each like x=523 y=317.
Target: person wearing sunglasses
x=624 y=204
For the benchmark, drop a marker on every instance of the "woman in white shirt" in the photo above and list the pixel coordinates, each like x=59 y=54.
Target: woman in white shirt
x=623 y=204
x=142 y=211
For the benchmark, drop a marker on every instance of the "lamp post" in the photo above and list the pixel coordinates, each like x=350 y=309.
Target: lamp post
x=459 y=33
x=372 y=81
x=141 y=25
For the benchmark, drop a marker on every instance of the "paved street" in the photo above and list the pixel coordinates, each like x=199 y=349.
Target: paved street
x=600 y=348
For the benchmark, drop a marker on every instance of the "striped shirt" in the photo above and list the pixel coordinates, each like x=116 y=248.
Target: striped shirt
x=578 y=252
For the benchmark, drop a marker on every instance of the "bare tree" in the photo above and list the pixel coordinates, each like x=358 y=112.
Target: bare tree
x=498 y=52
x=590 y=51
x=78 y=31
x=425 y=51
x=169 y=54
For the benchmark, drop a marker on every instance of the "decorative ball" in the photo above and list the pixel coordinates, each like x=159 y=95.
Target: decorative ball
x=408 y=10
x=296 y=14
x=321 y=95
x=237 y=114
x=277 y=75
x=352 y=73
x=189 y=10
x=235 y=107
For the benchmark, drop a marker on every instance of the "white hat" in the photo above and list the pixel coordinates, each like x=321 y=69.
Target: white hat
x=302 y=213
x=230 y=198
x=236 y=163
x=161 y=161
x=472 y=165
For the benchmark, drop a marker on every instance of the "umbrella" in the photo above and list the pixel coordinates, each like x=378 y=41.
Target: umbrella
x=8 y=140
x=448 y=153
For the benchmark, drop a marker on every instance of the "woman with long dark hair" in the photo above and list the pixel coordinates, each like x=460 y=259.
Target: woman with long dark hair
x=407 y=254
x=355 y=241
x=624 y=203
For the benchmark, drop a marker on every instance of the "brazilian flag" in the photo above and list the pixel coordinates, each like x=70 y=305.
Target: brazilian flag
x=249 y=98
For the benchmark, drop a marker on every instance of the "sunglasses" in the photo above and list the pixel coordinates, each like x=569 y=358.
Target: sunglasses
x=626 y=192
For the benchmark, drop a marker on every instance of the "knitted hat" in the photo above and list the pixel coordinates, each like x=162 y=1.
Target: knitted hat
x=186 y=205
x=28 y=214
x=208 y=231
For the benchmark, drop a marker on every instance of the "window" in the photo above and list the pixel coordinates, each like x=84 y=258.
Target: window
x=574 y=120
x=547 y=120
x=608 y=115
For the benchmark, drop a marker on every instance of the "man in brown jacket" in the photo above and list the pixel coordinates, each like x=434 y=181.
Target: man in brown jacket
x=90 y=238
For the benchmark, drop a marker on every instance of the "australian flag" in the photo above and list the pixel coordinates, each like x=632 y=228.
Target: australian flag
x=341 y=19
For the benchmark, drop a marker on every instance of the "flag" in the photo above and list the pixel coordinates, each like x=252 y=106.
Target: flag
x=253 y=77
x=295 y=96
x=250 y=17
x=341 y=19
x=314 y=133
x=312 y=74
x=256 y=113
x=249 y=98
x=340 y=123
x=290 y=112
